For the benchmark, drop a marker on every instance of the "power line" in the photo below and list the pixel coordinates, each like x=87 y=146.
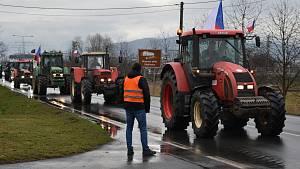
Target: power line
x=100 y=9
x=99 y=15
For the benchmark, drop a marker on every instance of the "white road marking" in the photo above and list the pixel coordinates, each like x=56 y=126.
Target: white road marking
x=229 y=162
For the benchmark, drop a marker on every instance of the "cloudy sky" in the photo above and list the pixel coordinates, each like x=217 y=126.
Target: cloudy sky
x=56 y=32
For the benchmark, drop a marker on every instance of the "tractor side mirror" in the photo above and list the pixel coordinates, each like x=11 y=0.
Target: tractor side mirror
x=257 y=41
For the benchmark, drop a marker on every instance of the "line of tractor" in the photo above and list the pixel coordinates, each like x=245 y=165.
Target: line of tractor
x=210 y=81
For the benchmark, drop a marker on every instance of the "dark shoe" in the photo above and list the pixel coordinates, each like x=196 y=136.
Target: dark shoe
x=130 y=152
x=149 y=153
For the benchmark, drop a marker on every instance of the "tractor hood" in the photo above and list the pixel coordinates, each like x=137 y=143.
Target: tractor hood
x=229 y=67
x=233 y=80
x=103 y=73
x=56 y=70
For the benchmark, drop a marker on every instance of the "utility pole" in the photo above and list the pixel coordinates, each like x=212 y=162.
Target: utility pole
x=23 y=40
x=180 y=30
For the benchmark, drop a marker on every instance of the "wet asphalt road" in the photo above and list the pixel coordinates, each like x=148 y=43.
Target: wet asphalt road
x=229 y=149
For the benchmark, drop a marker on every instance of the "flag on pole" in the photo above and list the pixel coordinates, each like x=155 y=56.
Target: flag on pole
x=215 y=19
x=250 y=26
x=38 y=55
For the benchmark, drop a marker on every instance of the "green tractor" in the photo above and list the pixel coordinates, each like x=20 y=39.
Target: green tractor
x=50 y=72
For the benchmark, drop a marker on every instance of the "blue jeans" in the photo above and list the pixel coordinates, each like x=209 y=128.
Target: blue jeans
x=140 y=115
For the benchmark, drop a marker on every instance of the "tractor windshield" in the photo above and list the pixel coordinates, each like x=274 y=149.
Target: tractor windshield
x=53 y=61
x=24 y=65
x=212 y=50
x=95 y=62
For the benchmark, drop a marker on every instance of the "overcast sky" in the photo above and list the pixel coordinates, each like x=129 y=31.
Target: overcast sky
x=56 y=32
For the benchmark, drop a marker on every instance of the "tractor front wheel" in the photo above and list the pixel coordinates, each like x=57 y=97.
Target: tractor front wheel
x=16 y=84
x=86 y=91
x=170 y=104
x=271 y=123
x=42 y=85
x=205 y=114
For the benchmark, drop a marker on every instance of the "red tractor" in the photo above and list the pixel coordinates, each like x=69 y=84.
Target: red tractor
x=22 y=72
x=211 y=80
x=93 y=75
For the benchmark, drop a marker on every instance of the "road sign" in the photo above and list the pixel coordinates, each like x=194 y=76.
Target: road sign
x=149 y=57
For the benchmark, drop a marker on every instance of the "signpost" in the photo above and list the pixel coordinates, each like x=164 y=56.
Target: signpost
x=150 y=58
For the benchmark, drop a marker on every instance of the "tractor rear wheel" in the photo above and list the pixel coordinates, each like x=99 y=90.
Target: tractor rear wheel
x=170 y=104
x=234 y=123
x=16 y=84
x=86 y=91
x=205 y=114
x=271 y=123
x=42 y=85
x=75 y=91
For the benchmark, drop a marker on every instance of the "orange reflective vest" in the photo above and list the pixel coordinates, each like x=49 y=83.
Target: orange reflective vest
x=132 y=92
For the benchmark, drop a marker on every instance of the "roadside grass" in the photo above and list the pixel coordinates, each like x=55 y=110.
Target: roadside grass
x=30 y=130
x=293 y=103
x=292 y=100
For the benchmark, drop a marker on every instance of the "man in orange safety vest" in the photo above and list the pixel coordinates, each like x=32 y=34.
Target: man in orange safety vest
x=137 y=104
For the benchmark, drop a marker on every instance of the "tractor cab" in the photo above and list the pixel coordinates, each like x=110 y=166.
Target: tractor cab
x=52 y=63
x=203 y=48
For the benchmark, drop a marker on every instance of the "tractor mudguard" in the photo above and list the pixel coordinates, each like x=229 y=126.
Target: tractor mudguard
x=181 y=78
x=78 y=74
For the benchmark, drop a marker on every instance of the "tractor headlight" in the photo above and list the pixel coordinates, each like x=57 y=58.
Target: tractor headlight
x=22 y=77
x=102 y=80
x=54 y=75
x=109 y=79
x=250 y=87
x=61 y=75
x=31 y=77
x=240 y=87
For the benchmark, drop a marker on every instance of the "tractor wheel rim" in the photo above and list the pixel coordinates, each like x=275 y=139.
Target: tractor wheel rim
x=168 y=101
x=197 y=114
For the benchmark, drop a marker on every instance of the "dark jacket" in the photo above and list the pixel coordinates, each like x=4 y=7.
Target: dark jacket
x=131 y=106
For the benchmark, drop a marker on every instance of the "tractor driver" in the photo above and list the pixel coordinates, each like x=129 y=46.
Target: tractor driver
x=209 y=54
x=94 y=64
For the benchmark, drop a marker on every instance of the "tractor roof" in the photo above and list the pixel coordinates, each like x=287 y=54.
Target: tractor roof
x=93 y=53
x=52 y=53
x=214 y=32
x=24 y=60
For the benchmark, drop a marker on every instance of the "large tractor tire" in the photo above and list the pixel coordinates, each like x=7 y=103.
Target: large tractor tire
x=234 y=123
x=17 y=84
x=271 y=123
x=75 y=91
x=170 y=104
x=205 y=114
x=42 y=85
x=86 y=91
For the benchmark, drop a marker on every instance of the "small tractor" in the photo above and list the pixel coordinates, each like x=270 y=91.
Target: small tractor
x=22 y=73
x=50 y=72
x=92 y=74
x=211 y=81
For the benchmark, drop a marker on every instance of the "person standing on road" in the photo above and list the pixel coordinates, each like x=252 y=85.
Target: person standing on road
x=137 y=104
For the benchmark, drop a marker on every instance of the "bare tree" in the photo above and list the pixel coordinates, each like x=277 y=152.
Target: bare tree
x=98 y=43
x=242 y=12
x=3 y=49
x=77 y=44
x=284 y=29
